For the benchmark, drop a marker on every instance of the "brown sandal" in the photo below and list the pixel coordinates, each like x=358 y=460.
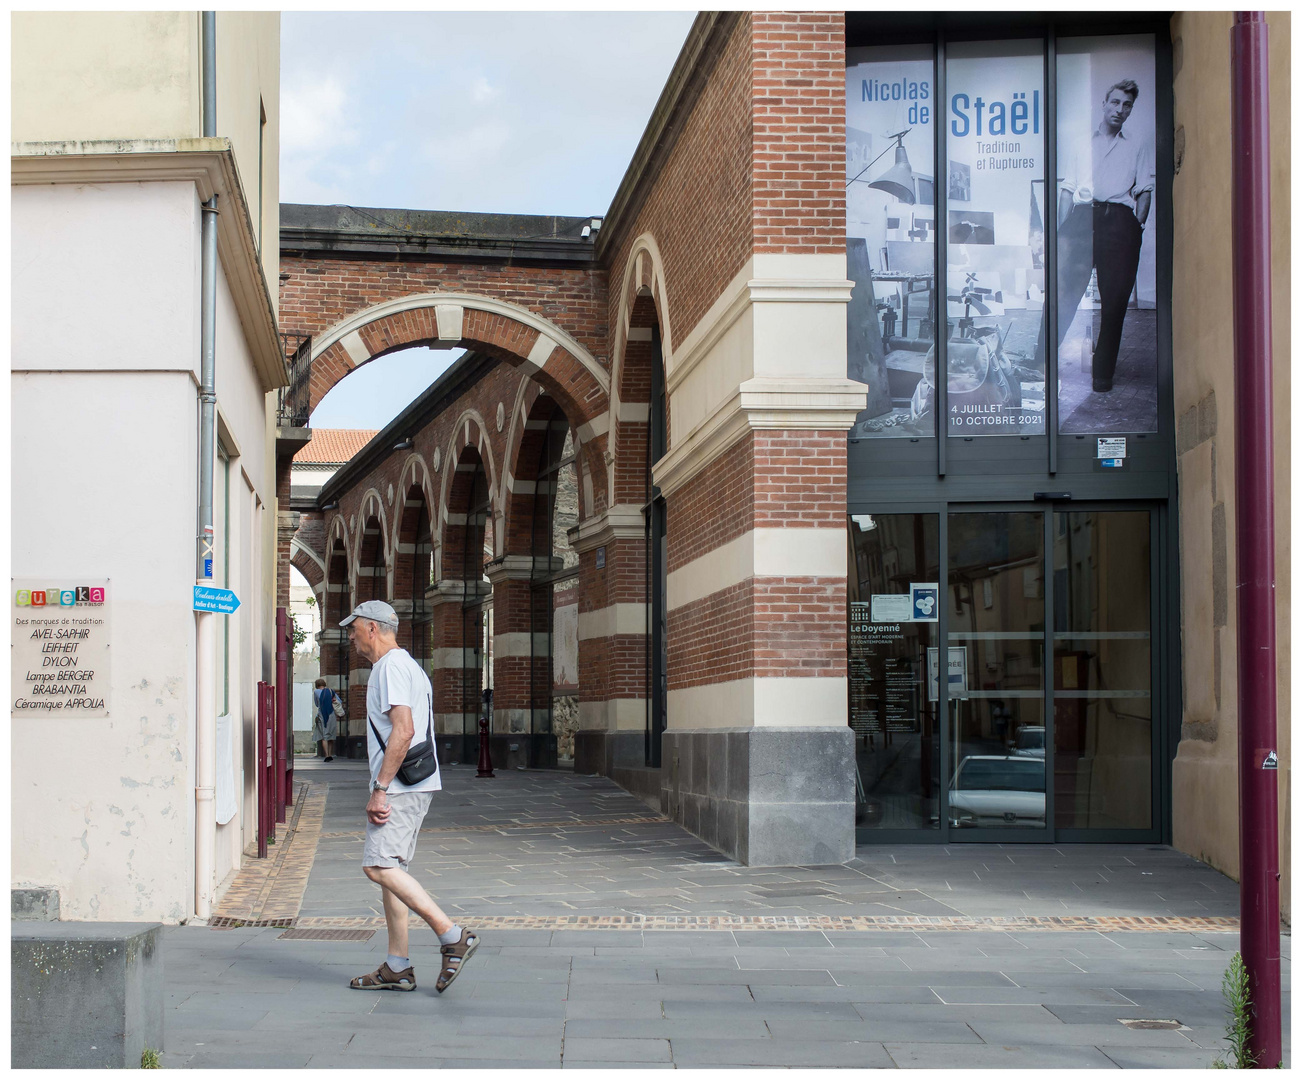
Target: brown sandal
x=385 y=978
x=455 y=957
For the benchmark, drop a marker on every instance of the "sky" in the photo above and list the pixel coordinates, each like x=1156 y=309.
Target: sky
x=502 y=112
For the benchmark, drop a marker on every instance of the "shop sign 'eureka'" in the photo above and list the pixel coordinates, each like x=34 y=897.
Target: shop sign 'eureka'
x=60 y=647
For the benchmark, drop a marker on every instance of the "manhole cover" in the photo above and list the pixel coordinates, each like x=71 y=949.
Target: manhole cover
x=327 y=935
x=1139 y=1025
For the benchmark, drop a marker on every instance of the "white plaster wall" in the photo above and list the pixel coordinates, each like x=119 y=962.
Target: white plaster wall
x=248 y=81
x=105 y=276
x=104 y=75
x=103 y=485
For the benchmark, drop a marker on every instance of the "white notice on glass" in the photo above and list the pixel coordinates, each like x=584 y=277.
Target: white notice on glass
x=892 y=607
x=1112 y=448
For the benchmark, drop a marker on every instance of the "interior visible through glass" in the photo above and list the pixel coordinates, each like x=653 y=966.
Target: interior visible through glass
x=1102 y=664
x=995 y=660
x=893 y=601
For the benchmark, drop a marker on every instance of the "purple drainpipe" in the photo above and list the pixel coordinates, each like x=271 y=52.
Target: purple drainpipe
x=1254 y=525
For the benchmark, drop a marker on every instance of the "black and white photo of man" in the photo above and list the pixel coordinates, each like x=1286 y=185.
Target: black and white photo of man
x=1104 y=198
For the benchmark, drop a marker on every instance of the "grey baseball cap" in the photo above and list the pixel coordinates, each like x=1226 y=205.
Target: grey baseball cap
x=375 y=610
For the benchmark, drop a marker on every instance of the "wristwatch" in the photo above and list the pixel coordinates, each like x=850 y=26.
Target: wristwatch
x=377 y=786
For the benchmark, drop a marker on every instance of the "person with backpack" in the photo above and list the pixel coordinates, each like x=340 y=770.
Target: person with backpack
x=324 y=726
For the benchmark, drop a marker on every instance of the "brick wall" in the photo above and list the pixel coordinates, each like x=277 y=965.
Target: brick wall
x=798 y=77
x=699 y=206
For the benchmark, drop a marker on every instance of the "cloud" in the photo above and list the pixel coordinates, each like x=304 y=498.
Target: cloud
x=314 y=115
x=317 y=129
x=500 y=112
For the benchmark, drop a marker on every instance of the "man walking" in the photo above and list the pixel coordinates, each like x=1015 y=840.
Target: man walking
x=1103 y=202
x=399 y=701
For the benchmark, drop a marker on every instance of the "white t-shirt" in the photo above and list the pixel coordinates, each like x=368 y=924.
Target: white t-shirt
x=396 y=679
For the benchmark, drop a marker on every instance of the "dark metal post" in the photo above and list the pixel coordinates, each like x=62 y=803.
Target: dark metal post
x=283 y=721
x=485 y=756
x=1254 y=477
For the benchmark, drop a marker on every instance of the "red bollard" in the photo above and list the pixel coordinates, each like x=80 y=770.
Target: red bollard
x=485 y=758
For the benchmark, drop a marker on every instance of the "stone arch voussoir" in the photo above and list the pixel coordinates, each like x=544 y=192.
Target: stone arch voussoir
x=469 y=431
x=452 y=319
x=643 y=305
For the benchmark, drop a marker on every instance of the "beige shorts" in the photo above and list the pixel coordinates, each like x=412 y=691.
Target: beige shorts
x=394 y=842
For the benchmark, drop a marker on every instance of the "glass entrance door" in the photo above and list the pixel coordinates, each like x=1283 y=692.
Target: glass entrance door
x=1001 y=674
x=995 y=603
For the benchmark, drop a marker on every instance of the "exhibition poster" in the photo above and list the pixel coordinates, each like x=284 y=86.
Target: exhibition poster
x=994 y=274
x=996 y=217
x=891 y=236
x=1107 y=242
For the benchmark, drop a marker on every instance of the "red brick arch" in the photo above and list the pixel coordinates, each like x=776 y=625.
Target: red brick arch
x=643 y=305
x=498 y=328
x=305 y=562
x=466 y=320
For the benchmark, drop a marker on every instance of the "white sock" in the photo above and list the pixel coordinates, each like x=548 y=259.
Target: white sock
x=451 y=937
x=398 y=963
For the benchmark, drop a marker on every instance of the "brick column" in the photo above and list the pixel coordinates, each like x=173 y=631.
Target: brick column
x=451 y=653
x=612 y=642
x=522 y=674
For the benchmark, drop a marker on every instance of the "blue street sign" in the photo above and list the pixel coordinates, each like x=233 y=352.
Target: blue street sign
x=222 y=601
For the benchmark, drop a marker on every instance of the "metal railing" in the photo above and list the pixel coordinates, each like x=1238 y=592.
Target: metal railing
x=294 y=403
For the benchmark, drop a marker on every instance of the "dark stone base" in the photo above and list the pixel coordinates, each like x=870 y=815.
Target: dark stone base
x=600 y=753
x=85 y=995
x=764 y=796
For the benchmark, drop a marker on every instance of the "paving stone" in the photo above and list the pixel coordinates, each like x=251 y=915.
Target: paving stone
x=616 y=1051
x=622 y=1065
x=1074 y=1035
x=1021 y=995
x=622 y=1009
x=1159 y=1057
x=955 y=1056
x=778 y=1053
x=690 y=1027
x=904 y=994
x=1118 y=980
x=939 y=1030
x=725 y=1012
x=705 y=976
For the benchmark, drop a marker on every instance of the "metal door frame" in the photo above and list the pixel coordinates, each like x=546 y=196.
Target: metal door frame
x=1161 y=748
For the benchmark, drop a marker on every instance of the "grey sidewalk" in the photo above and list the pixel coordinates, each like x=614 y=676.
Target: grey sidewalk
x=528 y=853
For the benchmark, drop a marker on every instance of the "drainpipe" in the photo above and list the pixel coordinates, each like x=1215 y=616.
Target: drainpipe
x=1254 y=532
x=205 y=809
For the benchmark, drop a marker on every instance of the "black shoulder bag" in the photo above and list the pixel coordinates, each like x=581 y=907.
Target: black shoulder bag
x=420 y=762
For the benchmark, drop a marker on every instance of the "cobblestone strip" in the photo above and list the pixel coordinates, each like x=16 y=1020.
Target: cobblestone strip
x=270 y=891
x=913 y=923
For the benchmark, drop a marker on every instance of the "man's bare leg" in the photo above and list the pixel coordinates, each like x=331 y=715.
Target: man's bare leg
x=395 y=919
x=407 y=891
